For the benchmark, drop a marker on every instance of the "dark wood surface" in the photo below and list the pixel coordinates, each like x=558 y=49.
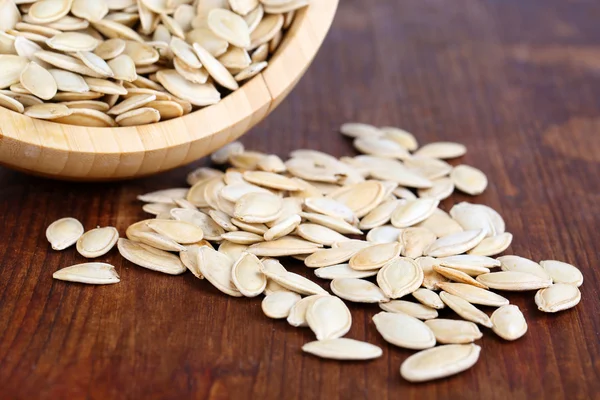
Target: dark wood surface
x=517 y=81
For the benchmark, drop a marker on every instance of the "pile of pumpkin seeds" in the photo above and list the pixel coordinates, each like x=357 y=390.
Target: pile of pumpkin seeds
x=109 y=63
x=369 y=224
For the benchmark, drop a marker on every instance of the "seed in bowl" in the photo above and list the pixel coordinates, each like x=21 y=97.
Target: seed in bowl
x=187 y=55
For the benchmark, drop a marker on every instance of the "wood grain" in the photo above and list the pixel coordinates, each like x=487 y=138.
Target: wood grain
x=79 y=153
x=517 y=81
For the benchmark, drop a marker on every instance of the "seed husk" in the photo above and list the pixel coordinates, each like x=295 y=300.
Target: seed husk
x=384 y=234
x=473 y=294
x=509 y=322
x=217 y=268
x=439 y=362
x=441 y=189
x=43 y=12
x=469 y=179
x=558 y=297
x=343 y=349
x=416 y=310
x=430 y=277
x=247 y=275
x=450 y=331
x=11 y=104
x=357 y=129
x=266 y=30
x=561 y=272
x=400 y=136
x=319 y=234
x=465 y=309
x=270 y=180
x=458 y=276
x=110 y=48
x=91 y=273
x=399 y=277
x=277 y=305
x=513 y=280
x=328 y=317
x=242 y=237
x=522 y=264
x=97 y=242
x=297 y=316
x=429 y=298
x=38 y=81
x=358 y=290
x=151 y=258
x=430 y=168
x=441 y=150
x=340 y=271
x=413 y=212
x=180 y=231
x=230 y=27
x=469 y=264
x=380 y=215
x=64 y=233
x=258 y=207
x=374 y=257
x=196 y=93
x=217 y=70
x=456 y=243
x=294 y=282
x=492 y=245
x=405 y=331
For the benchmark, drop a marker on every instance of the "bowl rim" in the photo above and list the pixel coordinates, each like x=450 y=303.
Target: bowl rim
x=230 y=118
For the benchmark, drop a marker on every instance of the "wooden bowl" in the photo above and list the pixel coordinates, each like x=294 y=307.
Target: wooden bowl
x=94 y=154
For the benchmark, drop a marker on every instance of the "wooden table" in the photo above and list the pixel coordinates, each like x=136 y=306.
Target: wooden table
x=517 y=81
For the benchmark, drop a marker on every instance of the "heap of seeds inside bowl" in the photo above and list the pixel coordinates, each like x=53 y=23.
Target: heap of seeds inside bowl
x=109 y=63
x=231 y=228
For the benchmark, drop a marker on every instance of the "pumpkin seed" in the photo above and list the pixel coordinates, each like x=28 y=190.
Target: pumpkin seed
x=473 y=294
x=430 y=277
x=278 y=305
x=429 y=298
x=458 y=276
x=380 y=215
x=439 y=362
x=384 y=234
x=247 y=275
x=558 y=297
x=513 y=280
x=470 y=264
x=340 y=271
x=91 y=273
x=336 y=224
x=465 y=309
x=449 y=331
x=217 y=268
x=297 y=315
x=342 y=349
x=375 y=256
x=180 y=231
x=399 y=277
x=522 y=264
x=258 y=207
x=64 y=233
x=402 y=330
x=492 y=245
x=415 y=240
x=295 y=282
x=415 y=310
x=469 y=179
x=97 y=242
x=561 y=272
x=455 y=243
x=358 y=290
x=400 y=136
x=319 y=234
x=286 y=246
x=38 y=81
x=328 y=317
x=509 y=322
x=442 y=150
x=151 y=258
x=413 y=212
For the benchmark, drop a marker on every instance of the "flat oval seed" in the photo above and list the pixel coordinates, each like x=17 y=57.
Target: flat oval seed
x=442 y=150
x=465 y=309
x=399 y=277
x=405 y=331
x=522 y=264
x=247 y=275
x=449 y=331
x=329 y=318
x=561 y=272
x=357 y=129
x=97 y=242
x=271 y=180
x=458 y=276
x=232 y=250
x=361 y=197
x=197 y=94
x=380 y=215
x=64 y=233
x=415 y=240
x=242 y=237
x=43 y=12
x=91 y=273
x=72 y=42
x=439 y=362
x=380 y=147
x=297 y=315
x=331 y=207
x=509 y=322
x=384 y=234
x=282 y=228
x=320 y=234
x=151 y=258
x=229 y=26
x=492 y=245
x=216 y=267
x=258 y=207
x=328 y=257
x=469 y=179
x=343 y=349
x=428 y=298
x=286 y=246
x=513 y=280
x=455 y=243
x=557 y=297
x=180 y=231
x=336 y=224
x=375 y=256
x=11 y=103
x=110 y=48
x=209 y=227
x=470 y=264
x=415 y=310
x=295 y=282
x=473 y=294
x=358 y=290
x=413 y=212
x=38 y=81
x=164 y=196
x=430 y=277
x=340 y=271
x=48 y=111
x=219 y=73
x=278 y=305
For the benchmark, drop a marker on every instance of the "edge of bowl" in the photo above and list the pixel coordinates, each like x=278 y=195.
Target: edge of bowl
x=85 y=153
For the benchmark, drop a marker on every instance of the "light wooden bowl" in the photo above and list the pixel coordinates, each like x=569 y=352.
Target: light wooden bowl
x=94 y=154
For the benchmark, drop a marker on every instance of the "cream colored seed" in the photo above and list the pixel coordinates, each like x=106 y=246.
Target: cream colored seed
x=97 y=242
x=328 y=317
x=343 y=349
x=91 y=273
x=439 y=362
x=449 y=331
x=403 y=330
